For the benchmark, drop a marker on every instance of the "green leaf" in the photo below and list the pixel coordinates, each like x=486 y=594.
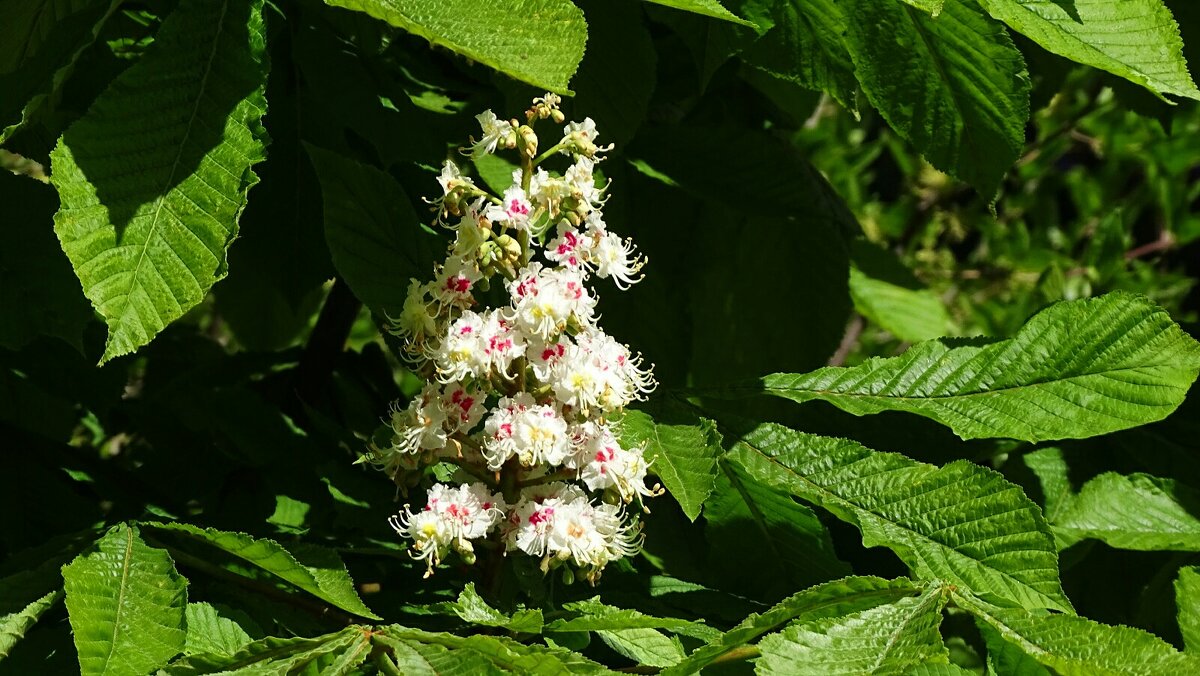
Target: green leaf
x=270 y=656
x=934 y=7
x=536 y=41
x=709 y=8
x=684 y=456
x=1187 y=601
x=153 y=178
x=40 y=41
x=1136 y=511
x=414 y=658
x=1076 y=369
x=644 y=646
x=471 y=607
x=891 y=638
x=617 y=76
x=806 y=47
x=14 y=625
x=954 y=86
x=1007 y=658
x=1098 y=33
x=126 y=604
x=597 y=616
x=374 y=235
x=940 y=670
x=1072 y=645
x=504 y=655
x=961 y=523
x=887 y=294
x=831 y=599
x=745 y=519
x=209 y=632
x=316 y=570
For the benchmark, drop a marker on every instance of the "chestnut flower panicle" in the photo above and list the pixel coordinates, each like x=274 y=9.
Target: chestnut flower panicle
x=522 y=396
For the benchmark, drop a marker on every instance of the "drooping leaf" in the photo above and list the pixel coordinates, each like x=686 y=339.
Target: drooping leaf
x=153 y=178
x=684 y=456
x=316 y=570
x=955 y=86
x=471 y=607
x=961 y=524
x=374 y=235
x=14 y=625
x=1187 y=604
x=745 y=519
x=536 y=41
x=1097 y=33
x=709 y=8
x=503 y=654
x=831 y=599
x=1076 y=646
x=807 y=47
x=1135 y=511
x=891 y=638
x=1077 y=369
x=40 y=41
x=210 y=632
x=126 y=604
x=277 y=655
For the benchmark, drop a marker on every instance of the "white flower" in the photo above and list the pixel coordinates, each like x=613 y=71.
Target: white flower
x=495 y=132
x=420 y=426
x=546 y=191
x=542 y=356
x=603 y=464
x=581 y=180
x=531 y=519
x=502 y=343
x=451 y=177
x=536 y=434
x=463 y=406
x=452 y=517
x=453 y=284
x=625 y=380
x=579 y=379
x=416 y=322
x=617 y=258
x=563 y=525
x=570 y=248
x=430 y=533
x=463 y=352
x=514 y=209
x=545 y=301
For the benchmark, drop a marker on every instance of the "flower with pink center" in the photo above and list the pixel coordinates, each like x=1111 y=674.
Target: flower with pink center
x=571 y=248
x=463 y=406
x=513 y=210
x=502 y=342
x=463 y=352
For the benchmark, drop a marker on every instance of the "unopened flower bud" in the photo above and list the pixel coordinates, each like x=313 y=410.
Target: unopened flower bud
x=527 y=140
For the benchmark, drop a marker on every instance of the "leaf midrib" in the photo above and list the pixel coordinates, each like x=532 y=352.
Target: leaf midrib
x=125 y=566
x=164 y=191
x=895 y=635
x=817 y=488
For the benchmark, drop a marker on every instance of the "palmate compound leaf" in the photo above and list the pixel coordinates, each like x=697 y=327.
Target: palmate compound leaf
x=955 y=86
x=830 y=599
x=1134 y=39
x=536 y=41
x=1135 y=511
x=1076 y=369
x=961 y=524
x=1070 y=645
x=153 y=178
x=316 y=570
x=888 y=639
x=684 y=456
x=126 y=604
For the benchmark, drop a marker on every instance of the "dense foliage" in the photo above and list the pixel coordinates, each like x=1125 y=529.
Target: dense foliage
x=918 y=290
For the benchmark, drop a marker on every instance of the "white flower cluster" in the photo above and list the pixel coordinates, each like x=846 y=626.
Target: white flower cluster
x=521 y=396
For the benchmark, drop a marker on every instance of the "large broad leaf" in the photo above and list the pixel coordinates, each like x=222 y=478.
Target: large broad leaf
x=709 y=8
x=316 y=570
x=891 y=638
x=1187 y=604
x=683 y=456
x=374 y=235
x=153 y=178
x=831 y=599
x=210 y=632
x=1100 y=33
x=961 y=523
x=1075 y=646
x=745 y=519
x=537 y=41
x=807 y=47
x=954 y=86
x=282 y=656
x=1077 y=369
x=890 y=296
x=40 y=40
x=126 y=603
x=1137 y=511
x=644 y=646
